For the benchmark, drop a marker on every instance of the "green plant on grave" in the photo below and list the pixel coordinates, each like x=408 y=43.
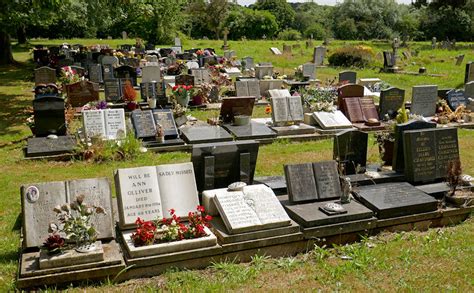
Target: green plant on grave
x=98 y=150
x=352 y=56
x=75 y=221
x=319 y=99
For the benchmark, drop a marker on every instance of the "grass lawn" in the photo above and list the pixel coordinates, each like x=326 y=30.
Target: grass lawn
x=435 y=260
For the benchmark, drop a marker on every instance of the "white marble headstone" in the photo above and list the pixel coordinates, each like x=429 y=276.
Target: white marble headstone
x=115 y=123
x=332 y=120
x=94 y=123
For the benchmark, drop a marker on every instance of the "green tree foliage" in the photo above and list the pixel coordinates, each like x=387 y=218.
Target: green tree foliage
x=251 y=24
x=283 y=11
x=207 y=16
x=446 y=23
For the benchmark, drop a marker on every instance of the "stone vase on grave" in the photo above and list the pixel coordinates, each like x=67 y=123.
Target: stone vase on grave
x=152 y=103
x=183 y=100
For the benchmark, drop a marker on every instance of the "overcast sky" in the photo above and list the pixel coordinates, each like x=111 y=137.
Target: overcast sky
x=321 y=2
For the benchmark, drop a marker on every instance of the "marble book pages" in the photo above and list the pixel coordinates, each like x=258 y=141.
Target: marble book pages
x=108 y=123
x=254 y=208
x=151 y=192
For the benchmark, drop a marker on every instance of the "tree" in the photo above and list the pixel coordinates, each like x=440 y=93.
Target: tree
x=252 y=24
x=208 y=15
x=15 y=14
x=283 y=11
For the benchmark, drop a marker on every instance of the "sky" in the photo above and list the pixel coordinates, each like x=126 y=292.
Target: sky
x=321 y=2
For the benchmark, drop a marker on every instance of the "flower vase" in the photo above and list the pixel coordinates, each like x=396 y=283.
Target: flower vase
x=85 y=247
x=152 y=103
x=183 y=101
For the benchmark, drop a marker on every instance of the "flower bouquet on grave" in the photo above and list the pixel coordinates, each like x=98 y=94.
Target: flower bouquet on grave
x=75 y=225
x=68 y=76
x=182 y=94
x=171 y=229
x=460 y=197
x=129 y=96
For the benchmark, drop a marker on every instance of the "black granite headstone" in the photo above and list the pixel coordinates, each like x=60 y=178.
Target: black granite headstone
x=108 y=71
x=391 y=200
x=327 y=180
x=126 y=71
x=348 y=76
x=301 y=183
x=455 y=99
x=428 y=153
x=95 y=73
x=144 y=124
x=49 y=116
x=350 y=149
x=112 y=89
x=398 y=157
x=216 y=165
x=43 y=146
x=390 y=101
x=166 y=120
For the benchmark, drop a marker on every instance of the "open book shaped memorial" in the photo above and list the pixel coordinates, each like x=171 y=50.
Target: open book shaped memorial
x=39 y=200
x=311 y=186
x=150 y=193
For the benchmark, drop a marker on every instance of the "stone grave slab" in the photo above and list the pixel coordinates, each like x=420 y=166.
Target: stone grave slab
x=253 y=130
x=153 y=90
x=299 y=129
x=423 y=101
x=350 y=147
x=332 y=120
x=217 y=165
x=398 y=154
x=43 y=146
x=81 y=93
x=348 y=76
x=309 y=215
x=456 y=98
x=428 y=152
x=45 y=75
x=255 y=207
x=70 y=256
x=353 y=110
x=391 y=100
x=204 y=134
x=327 y=180
x=233 y=106
x=301 y=183
x=144 y=124
x=391 y=200
x=49 y=116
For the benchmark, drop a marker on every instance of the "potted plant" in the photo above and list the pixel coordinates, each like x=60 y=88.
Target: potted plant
x=129 y=96
x=454 y=179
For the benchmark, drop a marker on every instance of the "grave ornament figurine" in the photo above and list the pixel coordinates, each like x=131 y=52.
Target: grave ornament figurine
x=346 y=190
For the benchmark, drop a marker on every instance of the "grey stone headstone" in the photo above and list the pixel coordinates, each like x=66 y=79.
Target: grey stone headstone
x=94 y=123
x=301 y=183
x=390 y=101
x=201 y=75
x=177 y=42
x=151 y=73
x=428 y=153
x=45 y=75
x=249 y=63
x=459 y=59
x=95 y=73
x=115 y=127
x=424 y=98
x=350 y=148
x=318 y=55
x=398 y=156
x=261 y=71
x=165 y=118
x=327 y=180
x=144 y=123
x=456 y=98
x=348 y=76
x=43 y=146
x=309 y=70
x=389 y=200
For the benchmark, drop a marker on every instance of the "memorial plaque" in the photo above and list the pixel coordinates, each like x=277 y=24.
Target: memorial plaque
x=349 y=91
x=115 y=123
x=153 y=90
x=262 y=71
x=113 y=90
x=227 y=163
x=309 y=70
x=241 y=88
x=127 y=72
x=43 y=146
x=97 y=192
x=398 y=164
x=144 y=123
x=318 y=55
x=327 y=180
x=390 y=101
x=82 y=92
x=300 y=183
x=424 y=100
x=253 y=130
x=233 y=106
x=350 y=149
x=201 y=75
x=254 y=208
x=95 y=73
x=49 y=116
x=249 y=63
x=353 y=109
x=456 y=98
x=108 y=71
x=38 y=201
x=348 y=76
x=204 y=134
x=389 y=200
x=428 y=153
x=253 y=88
x=332 y=120
x=151 y=73
x=166 y=120
x=138 y=195
x=295 y=107
x=368 y=108
x=279 y=109
x=45 y=75
x=94 y=123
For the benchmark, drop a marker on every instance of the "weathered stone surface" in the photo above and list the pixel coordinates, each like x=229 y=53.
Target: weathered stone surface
x=70 y=256
x=42 y=146
x=253 y=130
x=327 y=180
x=204 y=134
x=423 y=101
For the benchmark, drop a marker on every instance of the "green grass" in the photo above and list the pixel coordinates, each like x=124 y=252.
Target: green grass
x=437 y=260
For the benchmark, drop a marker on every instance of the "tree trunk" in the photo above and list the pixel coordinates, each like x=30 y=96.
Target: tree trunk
x=21 y=34
x=6 y=56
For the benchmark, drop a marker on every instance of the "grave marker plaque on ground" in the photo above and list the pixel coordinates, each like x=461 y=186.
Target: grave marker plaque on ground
x=390 y=101
x=45 y=75
x=115 y=123
x=424 y=98
x=350 y=148
x=144 y=123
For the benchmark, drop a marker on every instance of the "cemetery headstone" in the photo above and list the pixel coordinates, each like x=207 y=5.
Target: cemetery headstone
x=350 y=150
x=348 y=76
x=45 y=75
x=459 y=59
x=469 y=90
x=349 y=91
x=192 y=65
x=285 y=107
x=309 y=70
x=144 y=124
x=153 y=90
x=95 y=73
x=469 y=74
x=247 y=88
x=233 y=106
x=424 y=98
x=398 y=163
x=113 y=90
x=318 y=55
x=166 y=120
x=390 y=101
x=151 y=73
x=94 y=123
x=201 y=75
x=82 y=92
x=428 y=153
x=128 y=72
x=456 y=98
x=249 y=62
x=49 y=116
x=262 y=71
x=332 y=120
x=327 y=180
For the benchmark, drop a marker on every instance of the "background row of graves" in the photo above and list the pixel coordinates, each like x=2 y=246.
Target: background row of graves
x=279 y=215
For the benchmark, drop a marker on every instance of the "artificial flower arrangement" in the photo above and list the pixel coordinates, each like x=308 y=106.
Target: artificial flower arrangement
x=182 y=93
x=75 y=227
x=171 y=229
x=129 y=95
x=68 y=76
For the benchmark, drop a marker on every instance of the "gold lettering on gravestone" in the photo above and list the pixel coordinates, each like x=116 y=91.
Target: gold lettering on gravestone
x=424 y=161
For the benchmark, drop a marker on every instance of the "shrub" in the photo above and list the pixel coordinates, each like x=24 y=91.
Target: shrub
x=317 y=30
x=289 y=35
x=352 y=56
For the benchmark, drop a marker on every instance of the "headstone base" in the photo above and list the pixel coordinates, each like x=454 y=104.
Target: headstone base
x=294 y=130
x=363 y=127
x=254 y=130
x=71 y=256
x=204 y=134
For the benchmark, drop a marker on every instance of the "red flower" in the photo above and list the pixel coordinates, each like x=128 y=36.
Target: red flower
x=208 y=218
x=175 y=88
x=200 y=208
